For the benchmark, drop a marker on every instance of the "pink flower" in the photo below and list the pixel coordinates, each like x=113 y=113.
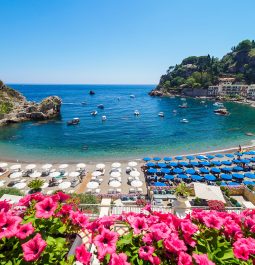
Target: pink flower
x=202 y=259
x=9 y=226
x=118 y=259
x=33 y=248
x=45 y=208
x=155 y=260
x=2 y=218
x=25 y=231
x=243 y=247
x=174 y=244
x=60 y=197
x=79 y=218
x=138 y=224
x=82 y=255
x=160 y=231
x=147 y=208
x=188 y=228
x=146 y=252
x=4 y=206
x=213 y=221
x=184 y=259
x=105 y=242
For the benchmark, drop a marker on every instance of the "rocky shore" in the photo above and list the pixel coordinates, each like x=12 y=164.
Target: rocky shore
x=15 y=108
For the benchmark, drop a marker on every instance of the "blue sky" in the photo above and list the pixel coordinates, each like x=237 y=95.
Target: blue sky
x=114 y=41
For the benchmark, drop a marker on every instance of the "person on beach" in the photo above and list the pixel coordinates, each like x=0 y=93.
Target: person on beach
x=240 y=148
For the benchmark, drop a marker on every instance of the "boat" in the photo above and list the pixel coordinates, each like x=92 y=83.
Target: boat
x=161 y=114
x=218 y=104
x=183 y=99
x=104 y=118
x=202 y=102
x=184 y=105
x=91 y=92
x=132 y=96
x=84 y=103
x=184 y=121
x=222 y=112
x=93 y=113
x=174 y=111
x=100 y=106
x=249 y=134
x=136 y=113
x=74 y=121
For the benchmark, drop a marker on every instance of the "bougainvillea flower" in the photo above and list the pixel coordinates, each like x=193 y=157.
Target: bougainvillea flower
x=45 y=208
x=25 y=230
x=82 y=255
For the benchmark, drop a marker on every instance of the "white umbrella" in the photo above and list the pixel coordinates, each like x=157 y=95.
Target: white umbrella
x=134 y=173
x=132 y=164
x=74 y=174
x=35 y=174
x=64 y=185
x=63 y=166
x=81 y=165
x=54 y=174
x=115 y=174
x=115 y=184
x=45 y=185
x=47 y=166
x=92 y=185
x=116 y=164
x=30 y=166
x=3 y=164
x=136 y=183
x=20 y=185
x=96 y=174
x=15 y=167
x=100 y=166
x=15 y=175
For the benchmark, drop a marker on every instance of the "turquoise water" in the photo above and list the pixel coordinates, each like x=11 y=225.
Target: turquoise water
x=123 y=135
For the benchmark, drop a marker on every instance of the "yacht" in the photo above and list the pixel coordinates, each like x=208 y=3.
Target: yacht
x=184 y=121
x=136 y=113
x=100 y=106
x=161 y=114
x=93 y=113
x=74 y=121
x=84 y=103
x=222 y=112
x=104 y=118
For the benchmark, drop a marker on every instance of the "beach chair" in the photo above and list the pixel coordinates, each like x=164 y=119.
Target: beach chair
x=131 y=190
x=140 y=190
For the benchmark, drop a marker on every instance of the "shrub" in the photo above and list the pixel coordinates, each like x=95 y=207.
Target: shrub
x=87 y=199
x=11 y=191
x=182 y=190
x=35 y=185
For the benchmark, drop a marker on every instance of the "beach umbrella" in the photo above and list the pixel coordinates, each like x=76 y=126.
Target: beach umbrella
x=167 y=158
x=156 y=158
x=100 y=166
x=194 y=163
x=132 y=164
x=238 y=154
x=190 y=171
x=114 y=184
x=236 y=161
x=74 y=174
x=54 y=174
x=162 y=165
x=30 y=166
x=96 y=173
x=45 y=185
x=92 y=185
x=205 y=163
x=116 y=165
x=245 y=161
x=210 y=177
x=3 y=165
x=146 y=159
x=226 y=163
x=196 y=177
x=237 y=168
x=229 y=155
x=249 y=175
x=184 y=164
x=173 y=164
x=150 y=164
x=204 y=170
x=152 y=171
x=165 y=170
x=63 y=166
x=134 y=174
x=216 y=163
x=15 y=167
x=215 y=170
x=251 y=152
x=232 y=183
x=226 y=169
x=81 y=165
x=182 y=176
x=15 y=175
x=136 y=183
x=247 y=182
x=201 y=157
x=226 y=176
x=116 y=174
x=219 y=155
x=179 y=158
x=47 y=166
x=190 y=157
x=252 y=159
x=159 y=184
x=246 y=153
x=169 y=177
x=223 y=183
x=20 y=185
x=35 y=174
x=238 y=176
x=177 y=170
x=210 y=157
x=64 y=185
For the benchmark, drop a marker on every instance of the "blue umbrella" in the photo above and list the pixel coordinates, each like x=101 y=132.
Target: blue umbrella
x=216 y=163
x=226 y=163
x=249 y=175
x=238 y=176
x=215 y=170
x=150 y=164
x=169 y=177
x=229 y=155
x=173 y=164
x=152 y=170
x=194 y=163
x=237 y=168
x=237 y=161
x=200 y=157
x=159 y=184
x=190 y=171
x=252 y=153
x=162 y=165
x=177 y=170
x=204 y=170
x=219 y=155
x=226 y=176
x=156 y=158
x=210 y=157
x=182 y=176
x=252 y=159
x=226 y=169
x=223 y=183
x=232 y=183
x=165 y=170
x=196 y=177
x=246 y=153
x=184 y=164
x=190 y=157
x=146 y=159
x=247 y=182
x=238 y=154
x=167 y=158
x=210 y=177
x=178 y=157
x=205 y=163
x=245 y=161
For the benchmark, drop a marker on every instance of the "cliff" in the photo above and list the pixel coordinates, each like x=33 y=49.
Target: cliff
x=15 y=108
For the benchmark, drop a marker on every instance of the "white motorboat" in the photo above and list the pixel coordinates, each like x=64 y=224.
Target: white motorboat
x=184 y=121
x=136 y=113
x=104 y=118
x=93 y=113
x=84 y=103
x=161 y=114
x=74 y=121
x=183 y=106
x=183 y=99
x=218 y=104
x=174 y=111
x=132 y=96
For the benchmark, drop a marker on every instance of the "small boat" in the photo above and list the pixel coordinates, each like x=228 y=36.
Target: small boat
x=74 y=121
x=91 y=92
x=202 y=102
x=93 y=113
x=104 y=118
x=218 y=104
x=84 y=103
x=184 y=105
x=222 y=112
x=249 y=134
x=161 y=114
x=100 y=106
x=136 y=113
x=183 y=99
x=184 y=121
x=174 y=111
x=132 y=96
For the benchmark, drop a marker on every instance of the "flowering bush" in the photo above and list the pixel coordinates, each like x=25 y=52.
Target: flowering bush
x=216 y=205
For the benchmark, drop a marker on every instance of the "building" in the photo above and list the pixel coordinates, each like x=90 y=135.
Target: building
x=230 y=90
x=213 y=91
x=251 y=92
x=226 y=80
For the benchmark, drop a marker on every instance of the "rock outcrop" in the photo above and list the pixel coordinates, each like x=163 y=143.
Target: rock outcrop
x=15 y=108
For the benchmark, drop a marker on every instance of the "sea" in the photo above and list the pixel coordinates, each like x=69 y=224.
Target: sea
x=123 y=135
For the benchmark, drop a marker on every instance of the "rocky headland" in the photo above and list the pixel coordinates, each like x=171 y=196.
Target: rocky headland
x=15 y=108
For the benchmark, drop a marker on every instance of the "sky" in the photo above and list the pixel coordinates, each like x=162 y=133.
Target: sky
x=114 y=41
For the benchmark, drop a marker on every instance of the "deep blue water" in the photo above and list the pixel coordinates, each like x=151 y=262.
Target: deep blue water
x=123 y=135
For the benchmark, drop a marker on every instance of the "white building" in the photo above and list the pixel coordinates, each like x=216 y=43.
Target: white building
x=251 y=92
x=234 y=90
